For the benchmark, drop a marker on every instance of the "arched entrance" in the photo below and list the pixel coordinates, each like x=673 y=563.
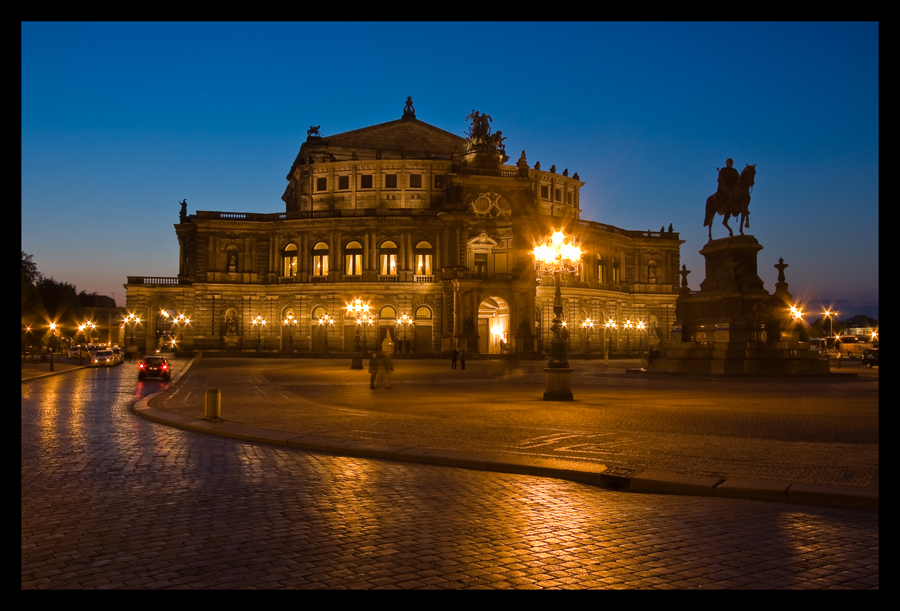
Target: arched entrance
x=493 y=326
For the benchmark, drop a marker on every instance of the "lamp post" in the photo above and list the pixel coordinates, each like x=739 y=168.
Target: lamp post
x=587 y=324
x=641 y=327
x=179 y=322
x=357 y=309
x=366 y=320
x=557 y=254
x=130 y=321
x=83 y=328
x=405 y=321
x=628 y=327
x=259 y=322
x=53 y=327
x=290 y=322
x=830 y=315
x=327 y=320
x=607 y=329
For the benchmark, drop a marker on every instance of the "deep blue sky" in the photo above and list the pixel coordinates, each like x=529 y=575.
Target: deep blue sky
x=120 y=121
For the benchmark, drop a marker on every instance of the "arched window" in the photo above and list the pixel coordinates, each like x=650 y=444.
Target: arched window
x=423 y=313
x=353 y=259
x=388 y=312
x=424 y=259
x=320 y=259
x=387 y=259
x=318 y=312
x=289 y=261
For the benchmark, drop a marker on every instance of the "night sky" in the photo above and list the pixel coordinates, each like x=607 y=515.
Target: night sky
x=121 y=121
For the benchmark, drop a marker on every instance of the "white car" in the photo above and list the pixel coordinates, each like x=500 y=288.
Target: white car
x=120 y=356
x=104 y=358
x=73 y=352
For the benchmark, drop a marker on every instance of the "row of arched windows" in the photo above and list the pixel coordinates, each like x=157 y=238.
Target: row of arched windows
x=353 y=259
x=386 y=313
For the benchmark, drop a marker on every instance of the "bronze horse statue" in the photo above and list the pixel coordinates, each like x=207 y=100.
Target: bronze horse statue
x=739 y=206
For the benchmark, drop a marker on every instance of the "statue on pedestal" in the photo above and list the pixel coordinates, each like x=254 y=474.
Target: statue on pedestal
x=732 y=198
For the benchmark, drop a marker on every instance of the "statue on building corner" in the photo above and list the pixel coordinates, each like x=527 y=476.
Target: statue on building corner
x=313 y=132
x=409 y=112
x=183 y=214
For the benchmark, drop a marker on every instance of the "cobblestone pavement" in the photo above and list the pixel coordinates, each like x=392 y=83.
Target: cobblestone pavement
x=110 y=500
x=809 y=431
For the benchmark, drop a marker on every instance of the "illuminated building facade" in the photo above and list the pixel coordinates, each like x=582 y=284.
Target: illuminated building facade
x=416 y=221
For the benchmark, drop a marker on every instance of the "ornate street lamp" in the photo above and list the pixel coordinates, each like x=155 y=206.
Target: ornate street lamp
x=357 y=309
x=628 y=327
x=130 y=321
x=179 y=323
x=259 y=322
x=290 y=322
x=555 y=255
x=327 y=320
x=587 y=324
x=53 y=328
x=607 y=329
x=641 y=327
x=405 y=321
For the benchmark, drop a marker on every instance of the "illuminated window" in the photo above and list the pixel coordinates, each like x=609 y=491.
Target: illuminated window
x=289 y=259
x=321 y=184
x=601 y=277
x=415 y=181
x=353 y=259
x=318 y=312
x=390 y=181
x=616 y=274
x=387 y=256
x=423 y=313
x=365 y=181
x=480 y=262
x=424 y=258
x=343 y=182
x=387 y=312
x=320 y=259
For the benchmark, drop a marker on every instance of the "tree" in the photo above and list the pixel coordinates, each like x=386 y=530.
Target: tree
x=31 y=301
x=59 y=300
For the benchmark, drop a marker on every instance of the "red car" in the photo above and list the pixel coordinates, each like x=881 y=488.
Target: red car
x=155 y=367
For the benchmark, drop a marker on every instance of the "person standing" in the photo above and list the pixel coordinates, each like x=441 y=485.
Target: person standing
x=839 y=359
x=462 y=359
x=453 y=356
x=373 y=370
x=386 y=366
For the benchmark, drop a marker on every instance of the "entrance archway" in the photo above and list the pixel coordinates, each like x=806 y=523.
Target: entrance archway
x=493 y=326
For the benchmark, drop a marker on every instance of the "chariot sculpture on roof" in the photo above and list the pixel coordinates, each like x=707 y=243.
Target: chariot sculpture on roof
x=480 y=136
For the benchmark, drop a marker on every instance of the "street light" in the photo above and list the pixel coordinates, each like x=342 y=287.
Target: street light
x=641 y=327
x=608 y=327
x=587 y=324
x=179 y=322
x=557 y=254
x=328 y=320
x=357 y=309
x=628 y=327
x=290 y=322
x=405 y=321
x=259 y=322
x=131 y=320
x=830 y=315
x=83 y=328
x=53 y=327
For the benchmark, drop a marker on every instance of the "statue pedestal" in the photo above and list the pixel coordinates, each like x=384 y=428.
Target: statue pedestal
x=732 y=326
x=232 y=342
x=559 y=384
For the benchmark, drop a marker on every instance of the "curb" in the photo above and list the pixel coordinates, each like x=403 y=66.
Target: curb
x=54 y=373
x=612 y=478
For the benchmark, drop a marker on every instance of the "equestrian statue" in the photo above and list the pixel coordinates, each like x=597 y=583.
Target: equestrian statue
x=732 y=198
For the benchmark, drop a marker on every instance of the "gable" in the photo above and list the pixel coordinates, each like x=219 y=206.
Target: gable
x=401 y=135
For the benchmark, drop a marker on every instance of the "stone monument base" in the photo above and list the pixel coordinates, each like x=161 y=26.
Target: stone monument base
x=559 y=384
x=232 y=342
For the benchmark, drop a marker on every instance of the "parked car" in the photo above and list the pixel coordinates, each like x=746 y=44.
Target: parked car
x=104 y=358
x=120 y=356
x=155 y=366
x=870 y=358
x=73 y=352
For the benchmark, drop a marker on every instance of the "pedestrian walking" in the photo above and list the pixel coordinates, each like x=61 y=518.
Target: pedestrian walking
x=453 y=356
x=839 y=359
x=462 y=359
x=386 y=368
x=373 y=370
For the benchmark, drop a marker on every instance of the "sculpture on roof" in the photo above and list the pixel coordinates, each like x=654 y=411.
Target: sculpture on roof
x=313 y=132
x=409 y=112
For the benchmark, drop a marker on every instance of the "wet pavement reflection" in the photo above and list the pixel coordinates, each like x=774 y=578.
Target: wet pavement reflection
x=110 y=500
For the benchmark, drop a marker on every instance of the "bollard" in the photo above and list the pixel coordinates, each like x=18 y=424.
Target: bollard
x=213 y=405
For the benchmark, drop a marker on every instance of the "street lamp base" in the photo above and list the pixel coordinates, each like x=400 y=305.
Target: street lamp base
x=356 y=361
x=559 y=384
